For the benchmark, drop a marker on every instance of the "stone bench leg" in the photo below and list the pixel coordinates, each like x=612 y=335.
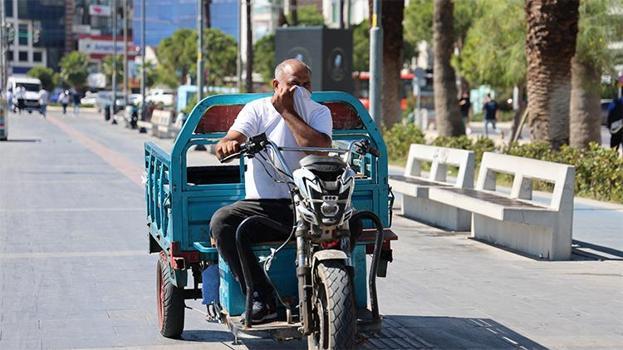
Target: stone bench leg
x=435 y=213
x=538 y=241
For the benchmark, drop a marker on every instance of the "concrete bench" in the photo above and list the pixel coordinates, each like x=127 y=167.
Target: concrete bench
x=414 y=187
x=162 y=124
x=515 y=221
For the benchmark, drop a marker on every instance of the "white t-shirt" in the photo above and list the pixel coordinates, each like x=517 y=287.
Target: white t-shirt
x=260 y=116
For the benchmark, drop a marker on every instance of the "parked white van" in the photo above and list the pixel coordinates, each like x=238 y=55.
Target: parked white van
x=29 y=94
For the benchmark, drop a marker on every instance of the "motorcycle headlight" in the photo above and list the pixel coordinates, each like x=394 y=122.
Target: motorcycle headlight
x=329 y=209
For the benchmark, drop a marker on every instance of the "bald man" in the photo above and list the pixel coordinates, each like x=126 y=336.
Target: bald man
x=276 y=117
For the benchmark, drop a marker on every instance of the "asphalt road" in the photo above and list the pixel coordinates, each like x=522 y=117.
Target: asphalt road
x=75 y=273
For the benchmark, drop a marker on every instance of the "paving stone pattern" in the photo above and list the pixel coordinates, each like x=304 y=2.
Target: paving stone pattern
x=75 y=273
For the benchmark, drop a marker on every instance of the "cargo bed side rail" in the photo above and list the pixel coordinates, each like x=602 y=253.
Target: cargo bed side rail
x=158 y=191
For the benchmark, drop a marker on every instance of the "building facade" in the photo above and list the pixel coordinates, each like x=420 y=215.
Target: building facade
x=47 y=29
x=39 y=35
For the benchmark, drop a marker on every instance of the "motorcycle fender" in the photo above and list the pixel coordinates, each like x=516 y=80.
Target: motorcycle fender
x=328 y=254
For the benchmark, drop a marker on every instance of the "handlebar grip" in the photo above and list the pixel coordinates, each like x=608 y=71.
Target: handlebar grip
x=373 y=151
x=230 y=157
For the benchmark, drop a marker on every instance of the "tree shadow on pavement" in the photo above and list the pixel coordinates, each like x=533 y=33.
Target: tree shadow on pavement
x=432 y=332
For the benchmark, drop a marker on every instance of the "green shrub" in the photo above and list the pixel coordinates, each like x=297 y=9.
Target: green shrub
x=461 y=142
x=399 y=138
x=598 y=170
x=481 y=145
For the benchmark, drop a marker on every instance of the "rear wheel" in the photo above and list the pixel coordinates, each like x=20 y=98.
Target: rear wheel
x=170 y=302
x=334 y=308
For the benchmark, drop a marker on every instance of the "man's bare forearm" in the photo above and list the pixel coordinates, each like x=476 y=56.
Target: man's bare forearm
x=305 y=135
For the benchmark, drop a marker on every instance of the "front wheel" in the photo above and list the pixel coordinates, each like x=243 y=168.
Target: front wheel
x=334 y=308
x=170 y=302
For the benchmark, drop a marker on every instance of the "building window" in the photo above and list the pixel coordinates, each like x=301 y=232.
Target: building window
x=37 y=57
x=22 y=34
x=10 y=57
x=23 y=56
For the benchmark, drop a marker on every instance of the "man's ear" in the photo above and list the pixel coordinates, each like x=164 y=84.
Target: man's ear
x=275 y=84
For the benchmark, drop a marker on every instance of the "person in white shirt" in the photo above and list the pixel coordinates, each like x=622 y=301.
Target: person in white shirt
x=277 y=117
x=9 y=100
x=63 y=98
x=43 y=101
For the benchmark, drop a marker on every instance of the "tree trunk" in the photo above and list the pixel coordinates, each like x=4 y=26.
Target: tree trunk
x=294 y=17
x=447 y=116
x=392 y=14
x=585 y=119
x=248 y=82
x=550 y=45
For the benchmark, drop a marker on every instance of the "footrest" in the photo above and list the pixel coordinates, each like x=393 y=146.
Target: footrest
x=279 y=330
x=367 y=323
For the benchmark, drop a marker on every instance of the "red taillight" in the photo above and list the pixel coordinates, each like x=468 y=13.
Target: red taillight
x=330 y=244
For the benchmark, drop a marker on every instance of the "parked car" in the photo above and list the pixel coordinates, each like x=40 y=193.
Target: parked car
x=134 y=99
x=89 y=98
x=103 y=99
x=30 y=98
x=166 y=97
x=55 y=94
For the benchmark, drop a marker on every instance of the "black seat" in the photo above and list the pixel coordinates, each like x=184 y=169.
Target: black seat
x=325 y=167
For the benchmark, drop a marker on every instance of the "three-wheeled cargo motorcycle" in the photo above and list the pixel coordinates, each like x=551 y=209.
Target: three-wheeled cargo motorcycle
x=320 y=272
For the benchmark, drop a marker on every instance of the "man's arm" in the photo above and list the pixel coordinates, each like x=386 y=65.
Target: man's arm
x=304 y=135
x=229 y=144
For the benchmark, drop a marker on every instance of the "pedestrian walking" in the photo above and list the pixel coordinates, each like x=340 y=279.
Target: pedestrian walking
x=491 y=110
x=465 y=106
x=20 y=96
x=76 y=96
x=64 y=100
x=615 y=123
x=43 y=102
x=9 y=100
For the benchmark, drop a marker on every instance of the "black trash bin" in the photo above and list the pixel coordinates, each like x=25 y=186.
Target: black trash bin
x=107 y=113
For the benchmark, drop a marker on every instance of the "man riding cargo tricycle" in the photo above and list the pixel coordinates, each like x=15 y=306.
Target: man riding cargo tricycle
x=276 y=244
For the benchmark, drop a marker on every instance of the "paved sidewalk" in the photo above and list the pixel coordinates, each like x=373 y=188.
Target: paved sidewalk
x=75 y=273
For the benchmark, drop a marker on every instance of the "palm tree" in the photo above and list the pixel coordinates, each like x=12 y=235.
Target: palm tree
x=294 y=18
x=447 y=116
x=550 y=46
x=585 y=117
x=596 y=28
x=392 y=12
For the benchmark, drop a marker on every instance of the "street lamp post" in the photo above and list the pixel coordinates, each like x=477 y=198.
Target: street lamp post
x=199 y=50
x=376 y=63
x=114 y=59
x=4 y=113
x=125 y=53
x=143 y=48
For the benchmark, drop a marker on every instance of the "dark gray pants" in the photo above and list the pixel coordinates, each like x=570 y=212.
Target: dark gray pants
x=225 y=222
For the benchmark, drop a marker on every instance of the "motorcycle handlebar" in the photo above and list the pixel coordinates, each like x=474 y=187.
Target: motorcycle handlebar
x=373 y=151
x=259 y=142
